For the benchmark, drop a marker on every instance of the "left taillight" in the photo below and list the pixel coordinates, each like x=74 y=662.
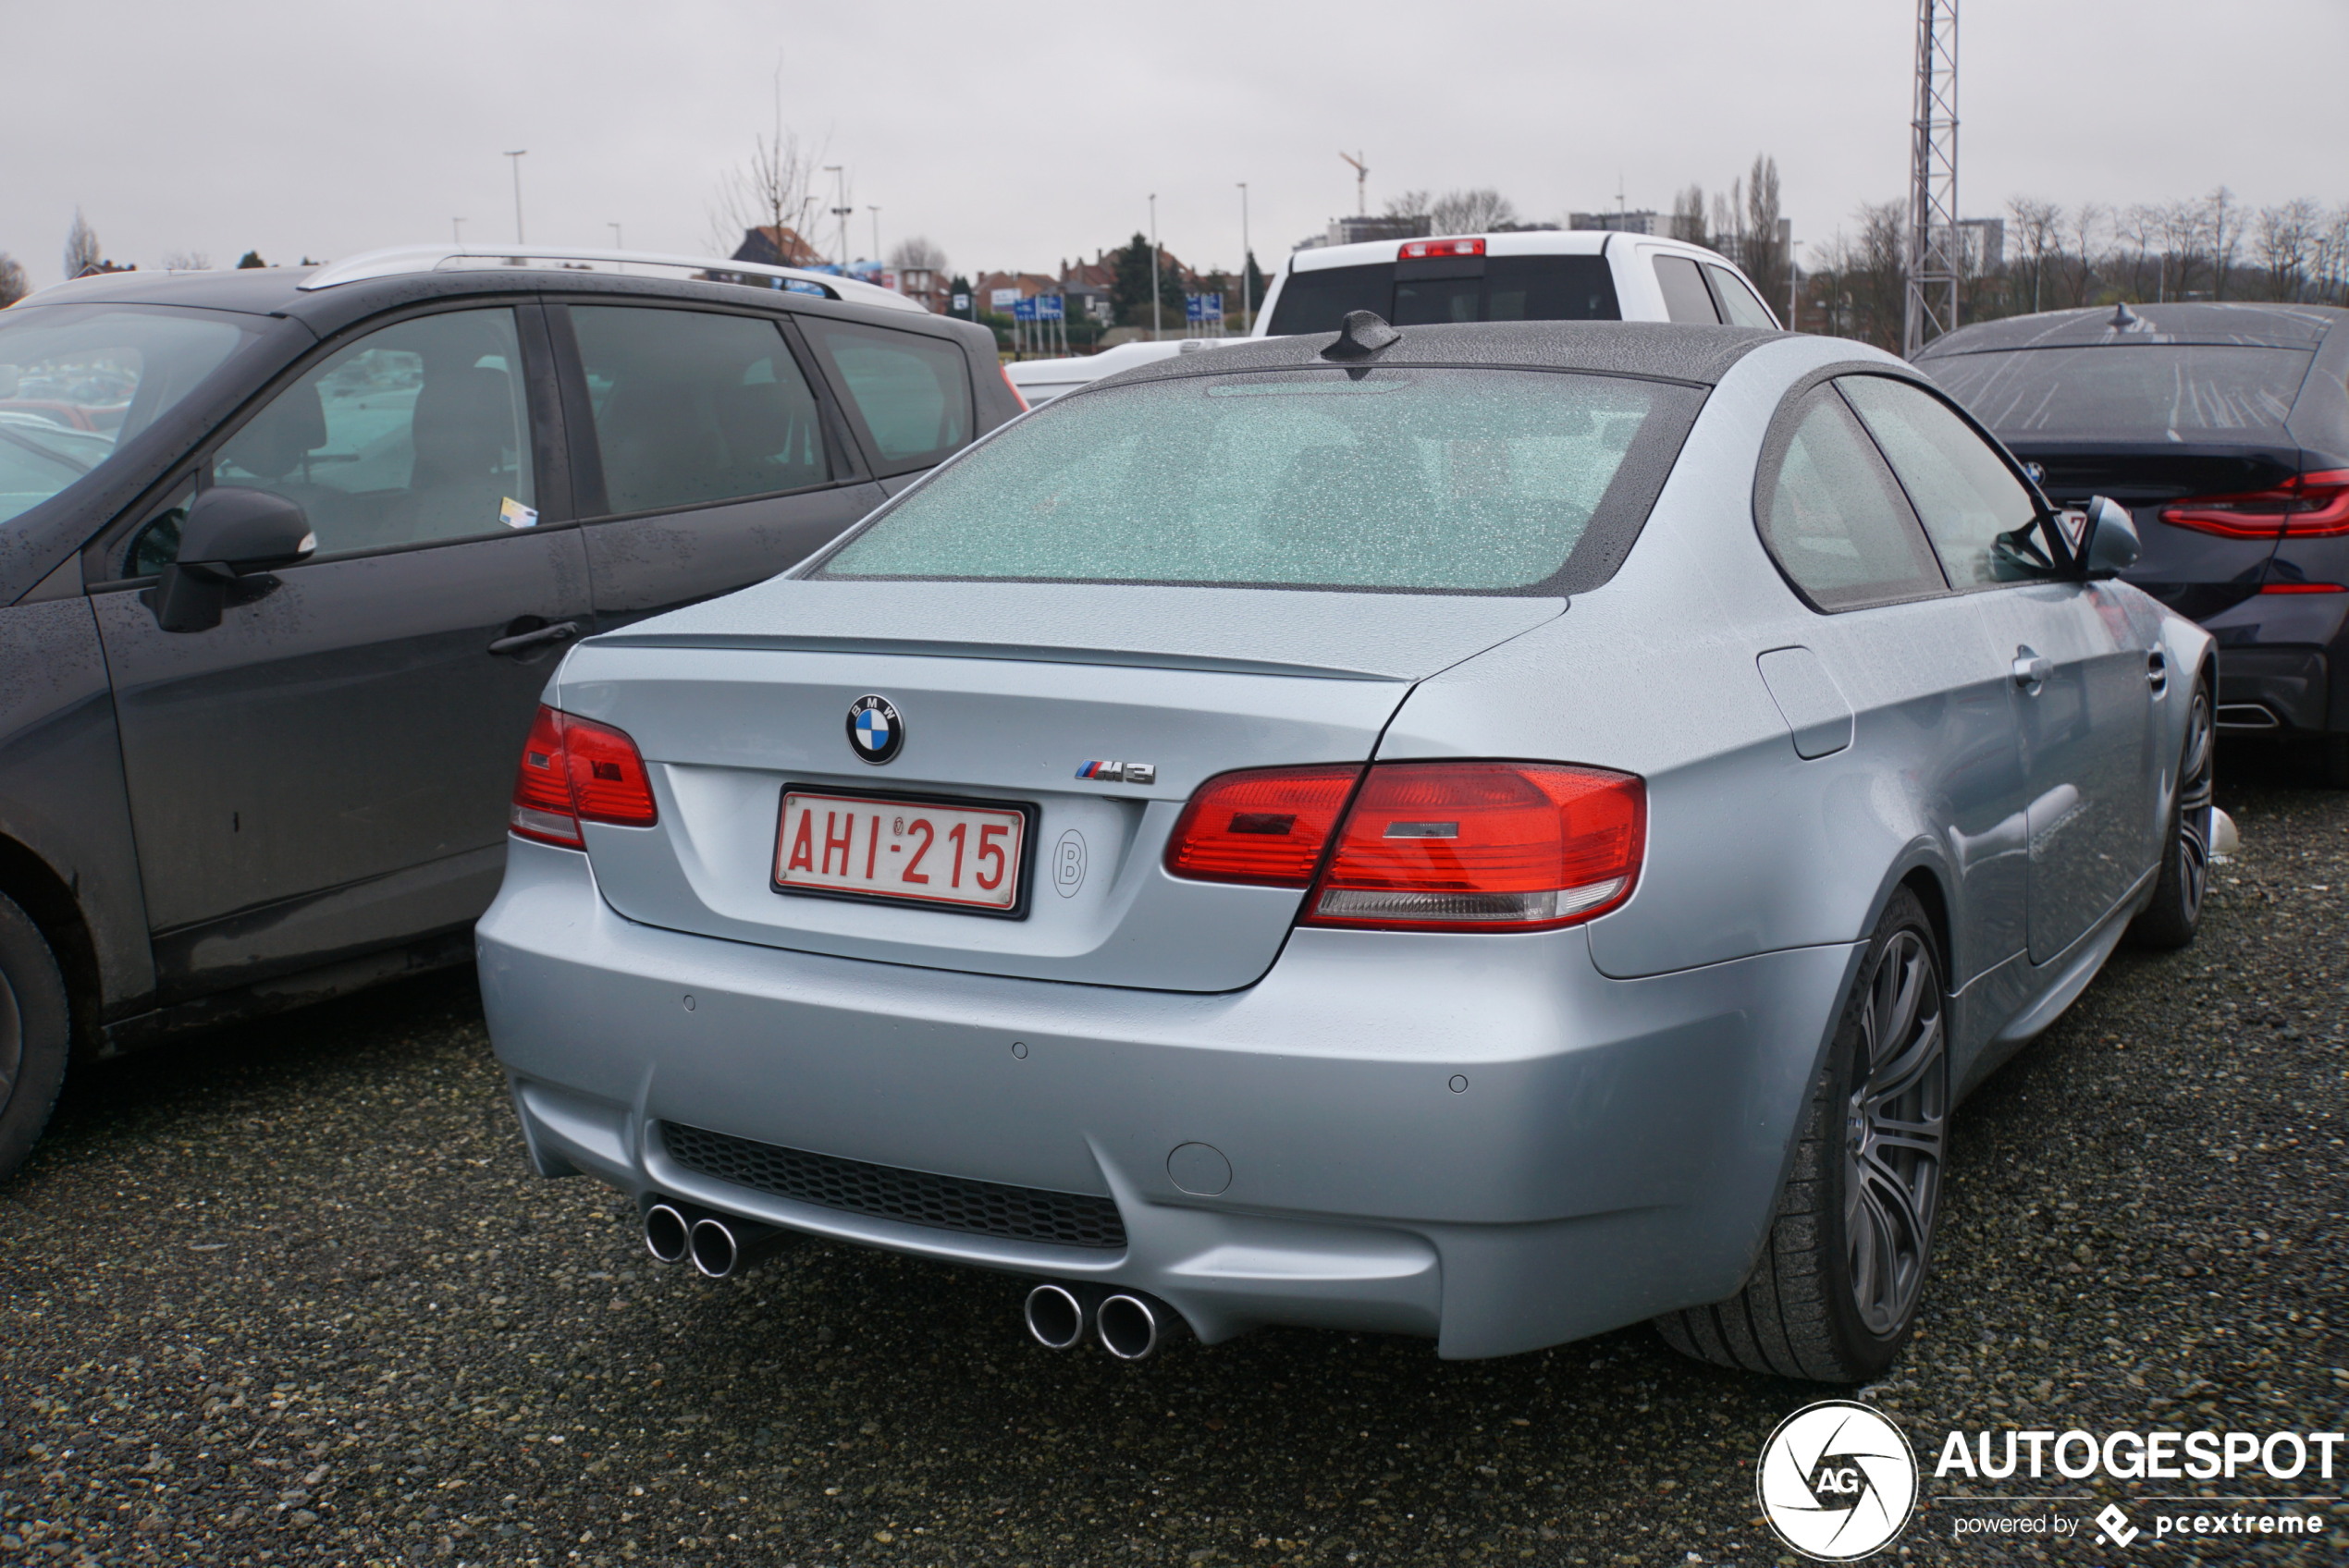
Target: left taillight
x=1483 y=846
x=2307 y=506
x=575 y=770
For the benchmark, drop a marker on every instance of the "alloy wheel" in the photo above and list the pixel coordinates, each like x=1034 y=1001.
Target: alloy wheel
x=1895 y=1125
x=2194 y=807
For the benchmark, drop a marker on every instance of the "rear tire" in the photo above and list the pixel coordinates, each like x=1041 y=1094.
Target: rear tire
x=35 y=1031
x=1836 y=1292
x=2175 y=913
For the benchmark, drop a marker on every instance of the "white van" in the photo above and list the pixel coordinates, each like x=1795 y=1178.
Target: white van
x=1542 y=275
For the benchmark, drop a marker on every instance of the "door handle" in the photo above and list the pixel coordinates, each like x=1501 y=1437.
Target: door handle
x=538 y=637
x=2030 y=670
x=2157 y=671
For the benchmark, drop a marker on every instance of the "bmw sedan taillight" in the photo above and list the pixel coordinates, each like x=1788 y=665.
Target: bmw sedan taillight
x=1424 y=846
x=2307 y=506
x=575 y=770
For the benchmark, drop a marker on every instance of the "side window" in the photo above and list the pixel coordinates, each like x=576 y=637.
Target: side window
x=416 y=431
x=1684 y=295
x=1833 y=519
x=1979 y=514
x=910 y=392
x=692 y=407
x=1738 y=303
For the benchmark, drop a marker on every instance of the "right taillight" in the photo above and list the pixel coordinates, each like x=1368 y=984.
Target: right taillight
x=2307 y=506
x=1483 y=846
x=1425 y=846
x=575 y=770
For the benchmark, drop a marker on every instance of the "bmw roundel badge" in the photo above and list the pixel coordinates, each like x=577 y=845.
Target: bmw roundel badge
x=875 y=732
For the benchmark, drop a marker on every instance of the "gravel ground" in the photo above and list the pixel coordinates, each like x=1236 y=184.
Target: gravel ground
x=287 y=1294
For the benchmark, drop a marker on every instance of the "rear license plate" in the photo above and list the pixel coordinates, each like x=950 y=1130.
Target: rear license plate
x=966 y=856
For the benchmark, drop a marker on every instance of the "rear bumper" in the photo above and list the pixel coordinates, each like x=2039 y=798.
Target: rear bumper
x=2273 y=690
x=1480 y=1139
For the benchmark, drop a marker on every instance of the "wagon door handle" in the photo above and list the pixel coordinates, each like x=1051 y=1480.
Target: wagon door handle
x=2157 y=671
x=536 y=637
x=2030 y=670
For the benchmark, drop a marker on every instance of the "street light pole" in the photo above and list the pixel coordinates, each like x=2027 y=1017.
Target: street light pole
x=1245 y=325
x=876 y=212
x=840 y=209
x=1158 y=264
x=457 y=230
x=617 y=243
x=517 y=156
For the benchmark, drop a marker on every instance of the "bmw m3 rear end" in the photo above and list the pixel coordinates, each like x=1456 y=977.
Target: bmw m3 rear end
x=1191 y=854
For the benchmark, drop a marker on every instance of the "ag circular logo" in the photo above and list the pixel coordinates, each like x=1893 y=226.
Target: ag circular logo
x=875 y=732
x=1837 y=1481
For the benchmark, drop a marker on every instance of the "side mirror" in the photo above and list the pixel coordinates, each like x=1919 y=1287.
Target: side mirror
x=2111 y=546
x=229 y=532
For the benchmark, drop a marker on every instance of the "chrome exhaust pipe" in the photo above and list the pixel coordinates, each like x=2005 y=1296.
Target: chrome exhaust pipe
x=722 y=1246
x=1058 y=1315
x=668 y=1230
x=1134 y=1327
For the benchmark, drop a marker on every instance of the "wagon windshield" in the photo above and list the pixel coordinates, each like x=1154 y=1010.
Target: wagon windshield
x=77 y=382
x=1476 y=481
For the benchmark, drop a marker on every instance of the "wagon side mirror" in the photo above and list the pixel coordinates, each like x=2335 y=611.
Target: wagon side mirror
x=230 y=533
x=2111 y=545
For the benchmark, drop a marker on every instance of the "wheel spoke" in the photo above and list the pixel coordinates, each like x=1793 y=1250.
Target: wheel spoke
x=1895 y=1077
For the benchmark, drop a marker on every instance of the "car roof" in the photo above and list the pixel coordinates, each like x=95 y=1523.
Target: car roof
x=328 y=295
x=2194 y=322
x=1505 y=242
x=1701 y=355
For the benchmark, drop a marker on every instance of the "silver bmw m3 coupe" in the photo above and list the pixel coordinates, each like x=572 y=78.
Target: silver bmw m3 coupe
x=1490 y=832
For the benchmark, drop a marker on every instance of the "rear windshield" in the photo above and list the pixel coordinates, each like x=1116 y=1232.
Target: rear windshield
x=1477 y=481
x=79 y=381
x=1499 y=288
x=2143 y=389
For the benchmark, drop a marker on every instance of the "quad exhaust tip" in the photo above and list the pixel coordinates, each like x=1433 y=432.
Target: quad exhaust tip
x=1130 y=1325
x=668 y=1232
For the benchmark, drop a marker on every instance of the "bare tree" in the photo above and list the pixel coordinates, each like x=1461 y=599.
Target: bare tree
x=186 y=260
x=2287 y=242
x=2088 y=223
x=1470 y=211
x=1861 y=284
x=917 y=254
x=1411 y=204
x=1688 y=216
x=774 y=188
x=14 y=285
x=2035 y=226
x=1763 y=258
x=2222 y=222
x=1728 y=222
x=83 y=254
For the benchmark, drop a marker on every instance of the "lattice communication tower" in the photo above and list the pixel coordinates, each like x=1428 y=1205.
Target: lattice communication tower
x=1934 y=259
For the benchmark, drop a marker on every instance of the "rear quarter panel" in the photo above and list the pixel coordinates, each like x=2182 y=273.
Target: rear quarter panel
x=1751 y=848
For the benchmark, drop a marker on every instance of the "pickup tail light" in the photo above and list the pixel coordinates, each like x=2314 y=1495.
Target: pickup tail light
x=1423 y=846
x=1423 y=250
x=575 y=770
x=2307 y=506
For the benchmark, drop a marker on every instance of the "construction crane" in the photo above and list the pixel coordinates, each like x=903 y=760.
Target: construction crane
x=1931 y=308
x=1361 y=182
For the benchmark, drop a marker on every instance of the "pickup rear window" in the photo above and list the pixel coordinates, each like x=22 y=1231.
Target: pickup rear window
x=1478 y=288
x=1465 y=481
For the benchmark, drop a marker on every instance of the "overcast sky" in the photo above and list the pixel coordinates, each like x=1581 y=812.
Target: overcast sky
x=323 y=129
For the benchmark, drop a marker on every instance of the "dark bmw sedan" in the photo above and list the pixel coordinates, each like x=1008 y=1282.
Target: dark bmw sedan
x=286 y=557
x=2225 y=429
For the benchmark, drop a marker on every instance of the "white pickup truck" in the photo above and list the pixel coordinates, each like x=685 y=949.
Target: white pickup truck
x=1541 y=275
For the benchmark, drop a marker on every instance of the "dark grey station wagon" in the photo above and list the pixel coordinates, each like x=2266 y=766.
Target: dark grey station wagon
x=285 y=557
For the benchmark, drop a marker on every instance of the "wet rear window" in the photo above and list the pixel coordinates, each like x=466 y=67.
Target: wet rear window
x=1500 y=288
x=1486 y=481
x=2143 y=389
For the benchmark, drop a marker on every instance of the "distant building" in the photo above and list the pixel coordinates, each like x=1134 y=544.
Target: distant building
x=773 y=245
x=1359 y=230
x=1644 y=221
x=1981 y=245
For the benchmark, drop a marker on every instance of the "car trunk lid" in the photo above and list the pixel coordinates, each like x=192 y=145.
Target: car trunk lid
x=1002 y=692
